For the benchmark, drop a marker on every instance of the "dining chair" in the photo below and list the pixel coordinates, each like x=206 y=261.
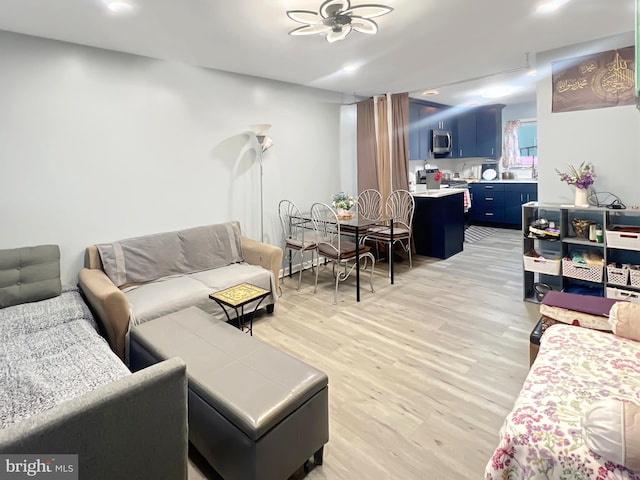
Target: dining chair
x=340 y=252
x=298 y=237
x=370 y=204
x=400 y=207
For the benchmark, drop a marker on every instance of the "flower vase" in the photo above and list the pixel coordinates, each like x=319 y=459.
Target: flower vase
x=581 y=198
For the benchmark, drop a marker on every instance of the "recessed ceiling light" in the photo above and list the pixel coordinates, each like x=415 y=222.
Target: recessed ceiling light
x=350 y=68
x=532 y=73
x=550 y=6
x=119 y=6
x=430 y=92
x=497 y=92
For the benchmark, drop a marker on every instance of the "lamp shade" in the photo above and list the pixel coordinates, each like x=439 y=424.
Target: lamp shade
x=260 y=128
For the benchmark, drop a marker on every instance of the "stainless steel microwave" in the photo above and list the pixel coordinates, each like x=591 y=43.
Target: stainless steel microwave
x=441 y=141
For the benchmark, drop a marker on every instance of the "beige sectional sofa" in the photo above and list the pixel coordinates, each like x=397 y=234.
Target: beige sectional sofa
x=135 y=280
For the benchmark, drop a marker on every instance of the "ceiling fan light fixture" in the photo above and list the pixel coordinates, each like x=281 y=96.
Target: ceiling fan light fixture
x=338 y=33
x=304 y=16
x=331 y=7
x=337 y=18
x=364 y=25
x=310 y=30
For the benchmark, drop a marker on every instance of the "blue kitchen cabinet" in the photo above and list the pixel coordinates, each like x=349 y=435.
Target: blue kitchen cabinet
x=414 y=131
x=516 y=195
x=465 y=140
x=487 y=202
x=479 y=132
x=423 y=118
x=500 y=203
x=438 y=225
x=489 y=131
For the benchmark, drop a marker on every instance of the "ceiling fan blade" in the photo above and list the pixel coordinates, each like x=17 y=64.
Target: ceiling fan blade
x=369 y=11
x=334 y=36
x=331 y=7
x=304 y=16
x=364 y=25
x=310 y=29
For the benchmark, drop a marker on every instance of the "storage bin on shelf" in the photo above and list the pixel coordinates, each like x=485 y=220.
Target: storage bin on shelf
x=634 y=278
x=548 y=266
x=582 y=271
x=617 y=276
x=623 y=236
x=622 y=294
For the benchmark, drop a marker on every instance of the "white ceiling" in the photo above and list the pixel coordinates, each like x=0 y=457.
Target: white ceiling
x=421 y=44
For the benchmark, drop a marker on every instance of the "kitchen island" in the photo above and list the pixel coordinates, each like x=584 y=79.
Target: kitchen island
x=438 y=222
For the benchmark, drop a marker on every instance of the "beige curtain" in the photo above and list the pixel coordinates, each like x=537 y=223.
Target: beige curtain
x=383 y=143
x=400 y=140
x=367 y=146
x=384 y=154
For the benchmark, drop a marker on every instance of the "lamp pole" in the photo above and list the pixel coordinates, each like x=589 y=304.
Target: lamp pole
x=264 y=143
x=261 y=142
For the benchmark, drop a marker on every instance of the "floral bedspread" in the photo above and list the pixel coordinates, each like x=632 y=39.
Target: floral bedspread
x=541 y=438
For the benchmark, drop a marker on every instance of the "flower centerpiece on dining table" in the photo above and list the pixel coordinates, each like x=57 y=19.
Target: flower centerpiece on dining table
x=582 y=178
x=343 y=203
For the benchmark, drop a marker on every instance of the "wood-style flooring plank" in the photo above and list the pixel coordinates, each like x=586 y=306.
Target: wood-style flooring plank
x=421 y=373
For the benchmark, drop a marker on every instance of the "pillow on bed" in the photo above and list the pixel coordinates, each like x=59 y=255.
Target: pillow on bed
x=611 y=428
x=624 y=319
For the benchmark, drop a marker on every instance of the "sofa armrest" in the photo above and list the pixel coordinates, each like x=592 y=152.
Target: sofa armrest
x=265 y=255
x=134 y=428
x=109 y=304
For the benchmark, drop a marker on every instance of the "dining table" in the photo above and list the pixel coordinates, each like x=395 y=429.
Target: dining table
x=358 y=226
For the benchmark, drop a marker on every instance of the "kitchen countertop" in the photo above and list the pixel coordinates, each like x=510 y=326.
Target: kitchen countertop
x=499 y=180
x=442 y=192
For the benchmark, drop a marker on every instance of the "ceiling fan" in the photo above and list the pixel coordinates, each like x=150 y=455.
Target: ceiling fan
x=337 y=18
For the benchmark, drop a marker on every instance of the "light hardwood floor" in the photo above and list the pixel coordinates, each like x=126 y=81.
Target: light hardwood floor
x=421 y=373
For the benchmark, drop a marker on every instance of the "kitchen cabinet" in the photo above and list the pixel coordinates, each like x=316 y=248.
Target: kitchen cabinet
x=423 y=118
x=438 y=225
x=487 y=202
x=500 y=202
x=515 y=195
x=465 y=141
x=416 y=135
x=489 y=131
x=551 y=269
x=479 y=132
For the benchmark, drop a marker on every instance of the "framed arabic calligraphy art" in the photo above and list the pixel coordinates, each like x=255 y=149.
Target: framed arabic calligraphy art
x=599 y=80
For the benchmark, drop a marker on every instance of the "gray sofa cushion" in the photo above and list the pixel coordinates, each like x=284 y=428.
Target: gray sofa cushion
x=150 y=257
x=29 y=274
x=155 y=299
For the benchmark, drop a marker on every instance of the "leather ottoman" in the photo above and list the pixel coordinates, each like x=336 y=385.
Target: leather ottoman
x=255 y=412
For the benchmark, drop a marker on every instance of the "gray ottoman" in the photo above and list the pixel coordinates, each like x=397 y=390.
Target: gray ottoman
x=254 y=411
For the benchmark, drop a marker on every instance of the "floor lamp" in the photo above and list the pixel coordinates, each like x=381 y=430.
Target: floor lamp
x=260 y=131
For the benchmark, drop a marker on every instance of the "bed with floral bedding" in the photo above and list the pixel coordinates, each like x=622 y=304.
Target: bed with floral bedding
x=543 y=436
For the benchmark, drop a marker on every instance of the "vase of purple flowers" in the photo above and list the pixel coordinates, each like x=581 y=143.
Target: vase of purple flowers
x=582 y=178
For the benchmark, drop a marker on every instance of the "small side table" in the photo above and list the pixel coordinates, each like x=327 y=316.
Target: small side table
x=237 y=297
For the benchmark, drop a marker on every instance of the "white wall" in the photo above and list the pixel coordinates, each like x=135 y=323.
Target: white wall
x=607 y=137
x=97 y=146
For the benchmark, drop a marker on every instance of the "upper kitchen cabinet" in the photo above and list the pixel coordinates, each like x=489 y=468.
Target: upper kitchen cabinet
x=489 y=131
x=479 y=133
x=418 y=139
x=465 y=141
x=423 y=118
